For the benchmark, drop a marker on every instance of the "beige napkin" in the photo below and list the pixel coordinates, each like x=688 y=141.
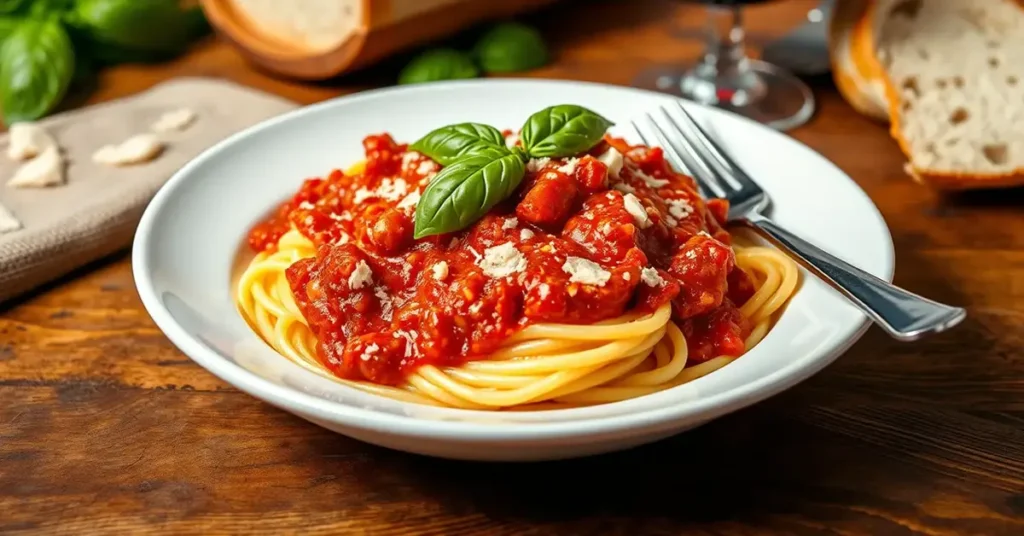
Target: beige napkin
x=95 y=213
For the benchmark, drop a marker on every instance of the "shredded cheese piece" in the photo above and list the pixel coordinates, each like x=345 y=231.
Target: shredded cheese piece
x=135 y=150
x=27 y=140
x=651 y=277
x=613 y=159
x=8 y=223
x=569 y=167
x=361 y=276
x=44 y=170
x=179 y=119
x=585 y=271
x=502 y=261
x=636 y=209
x=536 y=164
x=440 y=271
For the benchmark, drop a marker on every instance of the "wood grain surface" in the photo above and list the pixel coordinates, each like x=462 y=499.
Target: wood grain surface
x=105 y=427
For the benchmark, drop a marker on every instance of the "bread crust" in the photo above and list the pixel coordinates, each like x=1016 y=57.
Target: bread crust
x=867 y=67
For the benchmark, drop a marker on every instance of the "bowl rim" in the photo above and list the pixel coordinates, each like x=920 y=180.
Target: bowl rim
x=706 y=407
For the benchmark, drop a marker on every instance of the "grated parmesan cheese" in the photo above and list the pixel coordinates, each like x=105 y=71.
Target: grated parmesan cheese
x=525 y=234
x=426 y=167
x=626 y=276
x=361 y=276
x=8 y=223
x=138 y=149
x=509 y=223
x=179 y=119
x=651 y=277
x=27 y=140
x=537 y=164
x=409 y=157
x=543 y=290
x=393 y=189
x=649 y=180
x=502 y=261
x=440 y=271
x=585 y=271
x=569 y=167
x=624 y=188
x=679 y=208
x=613 y=159
x=410 y=200
x=636 y=209
x=511 y=140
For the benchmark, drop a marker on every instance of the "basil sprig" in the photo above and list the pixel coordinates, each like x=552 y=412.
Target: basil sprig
x=561 y=131
x=480 y=171
x=448 y=144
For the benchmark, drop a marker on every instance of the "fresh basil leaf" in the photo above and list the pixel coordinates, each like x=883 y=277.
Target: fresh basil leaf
x=464 y=191
x=438 y=64
x=8 y=7
x=7 y=26
x=510 y=47
x=42 y=8
x=36 y=66
x=153 y=26
x=563 y=130
x=448 y=144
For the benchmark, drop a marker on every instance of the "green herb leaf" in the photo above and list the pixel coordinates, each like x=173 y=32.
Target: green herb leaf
x=448 y=144
x=36 y=66
x=563 y=130
x=7 y=26
x=438 y=64
x=160 y=27
x=464 y=191
x=43 y=8
x=510 y=47
x=8 y=7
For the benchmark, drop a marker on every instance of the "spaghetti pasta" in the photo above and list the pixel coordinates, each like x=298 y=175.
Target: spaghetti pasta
x=563 y=364
x=553 y=333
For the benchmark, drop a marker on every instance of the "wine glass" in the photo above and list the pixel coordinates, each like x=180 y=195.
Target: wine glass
x=727 y=78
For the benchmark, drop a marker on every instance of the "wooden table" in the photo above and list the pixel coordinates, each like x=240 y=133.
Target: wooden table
x=106 y=427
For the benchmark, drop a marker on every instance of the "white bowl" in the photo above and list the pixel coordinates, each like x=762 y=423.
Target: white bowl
x=189 y=249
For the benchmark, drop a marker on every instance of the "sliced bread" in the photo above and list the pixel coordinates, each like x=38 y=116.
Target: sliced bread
x=955 y=87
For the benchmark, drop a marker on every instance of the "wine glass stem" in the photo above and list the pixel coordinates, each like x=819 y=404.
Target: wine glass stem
x=725 y=37
x=724 y=76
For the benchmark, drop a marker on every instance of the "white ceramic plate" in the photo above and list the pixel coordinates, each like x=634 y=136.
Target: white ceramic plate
x=188 y=251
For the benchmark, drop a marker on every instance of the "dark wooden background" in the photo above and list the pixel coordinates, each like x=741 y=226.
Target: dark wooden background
x=106 y=427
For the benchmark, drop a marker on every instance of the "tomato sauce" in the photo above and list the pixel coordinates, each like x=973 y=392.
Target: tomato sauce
x=578 y=243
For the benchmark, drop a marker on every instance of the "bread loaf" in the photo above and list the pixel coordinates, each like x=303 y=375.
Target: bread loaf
x=320 y=39
x=949 y=75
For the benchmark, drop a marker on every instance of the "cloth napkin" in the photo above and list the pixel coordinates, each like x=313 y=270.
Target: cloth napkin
x=95 y=213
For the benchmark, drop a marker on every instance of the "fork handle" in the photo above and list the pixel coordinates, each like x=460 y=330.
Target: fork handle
x=904 y=315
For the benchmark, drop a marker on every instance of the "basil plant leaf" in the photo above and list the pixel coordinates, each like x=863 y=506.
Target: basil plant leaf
x=438 y=64
x=466 y=190
x=448 y=144
x=156 y=27
x=510 y=47
x=37 y=63
x=563 y=130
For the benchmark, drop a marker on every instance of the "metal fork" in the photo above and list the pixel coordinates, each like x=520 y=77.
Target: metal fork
x=902 y=314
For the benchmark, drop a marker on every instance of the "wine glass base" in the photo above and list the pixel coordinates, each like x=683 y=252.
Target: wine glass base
x=784 y=101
